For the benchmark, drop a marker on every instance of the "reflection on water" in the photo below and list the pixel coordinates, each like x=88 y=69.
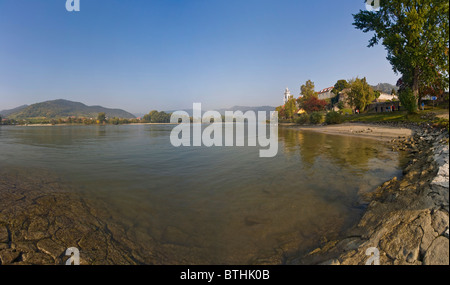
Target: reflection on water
x=199 y=205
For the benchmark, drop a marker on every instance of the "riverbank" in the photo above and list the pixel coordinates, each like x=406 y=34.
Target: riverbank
x=407 y=220
x=373 y=131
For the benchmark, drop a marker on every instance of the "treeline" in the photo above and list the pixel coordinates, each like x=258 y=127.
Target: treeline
x=102 y=119
x=156 y=117
x=352 y=96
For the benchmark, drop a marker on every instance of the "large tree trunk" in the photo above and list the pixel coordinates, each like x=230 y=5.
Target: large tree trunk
x=415 y=87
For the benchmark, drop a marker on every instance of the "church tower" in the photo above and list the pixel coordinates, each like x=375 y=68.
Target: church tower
x=287 y=95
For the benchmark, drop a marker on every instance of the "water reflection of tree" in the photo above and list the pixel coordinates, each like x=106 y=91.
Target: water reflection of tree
x=344 y=151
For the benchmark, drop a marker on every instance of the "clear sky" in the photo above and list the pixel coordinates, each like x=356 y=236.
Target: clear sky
x=141 y=55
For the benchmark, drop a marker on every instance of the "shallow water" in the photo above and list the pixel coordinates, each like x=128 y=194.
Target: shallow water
x=220 y=205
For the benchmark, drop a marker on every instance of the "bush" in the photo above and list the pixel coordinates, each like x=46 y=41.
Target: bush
x=408 y=100
x=302 y=119
x=333 y=118
x=316 y=118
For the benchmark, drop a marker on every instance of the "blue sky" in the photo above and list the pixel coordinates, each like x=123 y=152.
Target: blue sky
x=141 y=55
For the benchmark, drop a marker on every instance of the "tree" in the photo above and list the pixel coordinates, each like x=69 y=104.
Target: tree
x=415 y=34
x=307 y=90
x=339 y=86
x=289 y=108
x=313 y=104
x=281 y=113
x=361 y=94
x=406 y=96
x=101 y=117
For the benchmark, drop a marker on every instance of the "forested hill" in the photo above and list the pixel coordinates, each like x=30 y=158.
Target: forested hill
x=64 y=108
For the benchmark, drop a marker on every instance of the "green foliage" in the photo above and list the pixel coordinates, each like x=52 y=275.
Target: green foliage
x=302 y=119
x=340 y=85
x=377 y=94
x=101 y=117
x=333 y=118
x=346 y=111
x=290 y=108
x=316 y=118
x=341 y=105
x=408 y=100
x=156 y=117
x=307 y=90
x=361 y=94
x=415 y=34
x=281 y=113
x=114 y=121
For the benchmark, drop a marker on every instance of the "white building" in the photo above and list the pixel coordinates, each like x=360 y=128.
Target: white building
x=287 y=95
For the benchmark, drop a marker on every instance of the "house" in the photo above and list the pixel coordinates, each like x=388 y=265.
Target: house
x=326 y=93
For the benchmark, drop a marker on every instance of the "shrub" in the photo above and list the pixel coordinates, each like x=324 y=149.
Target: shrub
x=333 y=118
x=316 y=118
x=302 y=119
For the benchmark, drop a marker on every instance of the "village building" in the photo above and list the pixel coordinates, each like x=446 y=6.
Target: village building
x=326 y=93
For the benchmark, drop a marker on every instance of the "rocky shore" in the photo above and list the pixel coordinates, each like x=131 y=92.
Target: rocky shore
x=40 y=219
x=407 y=220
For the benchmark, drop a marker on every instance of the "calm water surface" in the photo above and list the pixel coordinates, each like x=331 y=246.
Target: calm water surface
x=220 y=205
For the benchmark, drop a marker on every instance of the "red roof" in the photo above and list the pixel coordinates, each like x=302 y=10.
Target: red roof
x=326 y=90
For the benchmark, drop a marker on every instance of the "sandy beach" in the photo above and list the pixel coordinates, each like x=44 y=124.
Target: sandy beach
x=358 y=130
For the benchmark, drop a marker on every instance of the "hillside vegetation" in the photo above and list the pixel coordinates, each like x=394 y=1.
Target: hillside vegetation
x=64 y=108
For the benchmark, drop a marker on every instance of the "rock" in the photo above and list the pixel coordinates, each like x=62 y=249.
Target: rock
x=8 y=256
x=331 y=262
x=37 y=258
x=350 y=244
x=412 y=257
x=438 y=252
x=440 y=222
x=402 y=242
x=51 y=248
x=4 y=236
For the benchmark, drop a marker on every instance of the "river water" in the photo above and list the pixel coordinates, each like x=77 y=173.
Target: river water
x=218 y=205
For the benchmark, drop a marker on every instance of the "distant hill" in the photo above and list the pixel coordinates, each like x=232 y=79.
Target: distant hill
x=385 y=87
x=6 y=113
x=64 y=108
